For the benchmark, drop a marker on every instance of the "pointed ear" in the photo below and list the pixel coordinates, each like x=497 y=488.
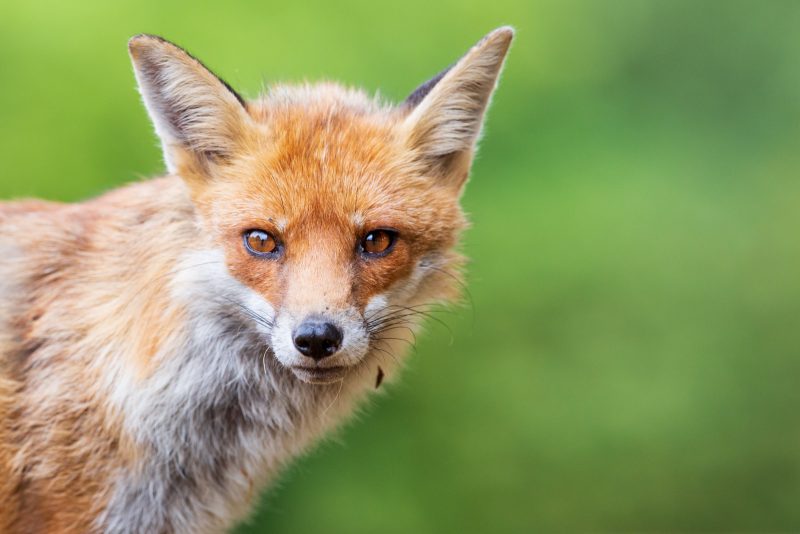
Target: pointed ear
x=447 y=111
x=195 y=113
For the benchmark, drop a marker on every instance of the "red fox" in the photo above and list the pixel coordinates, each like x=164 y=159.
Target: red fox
x=166 y=348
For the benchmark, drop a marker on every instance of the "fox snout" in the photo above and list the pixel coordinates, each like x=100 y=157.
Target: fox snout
x=319 y=347
x=318 y=338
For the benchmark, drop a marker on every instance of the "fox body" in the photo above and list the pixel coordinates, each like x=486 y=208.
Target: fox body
x=166 y=348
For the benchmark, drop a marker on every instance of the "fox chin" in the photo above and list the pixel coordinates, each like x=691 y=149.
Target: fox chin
x=166 y=348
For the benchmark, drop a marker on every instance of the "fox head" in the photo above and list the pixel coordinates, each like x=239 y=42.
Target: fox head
x=339 y=213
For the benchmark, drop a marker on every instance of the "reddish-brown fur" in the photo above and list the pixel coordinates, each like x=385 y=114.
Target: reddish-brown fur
x=62 y=454
x=317 y=220
x=87 y=290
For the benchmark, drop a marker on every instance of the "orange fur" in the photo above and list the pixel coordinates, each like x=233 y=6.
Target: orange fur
x=96 y=320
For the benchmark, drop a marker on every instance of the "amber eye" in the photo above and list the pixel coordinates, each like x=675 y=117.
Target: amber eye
x=378 y=242
x=260 y=243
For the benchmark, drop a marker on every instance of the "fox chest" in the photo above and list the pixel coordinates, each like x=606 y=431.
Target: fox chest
x=212 y=425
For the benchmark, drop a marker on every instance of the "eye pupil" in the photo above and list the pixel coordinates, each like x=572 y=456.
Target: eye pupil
x=378 y=241
x=260 y=242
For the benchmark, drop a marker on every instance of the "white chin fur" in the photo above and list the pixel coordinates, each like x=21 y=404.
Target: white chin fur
x=320 y=376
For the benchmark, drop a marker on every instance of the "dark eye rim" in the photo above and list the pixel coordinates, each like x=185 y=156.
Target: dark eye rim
x=393 y=236
x=262 y=255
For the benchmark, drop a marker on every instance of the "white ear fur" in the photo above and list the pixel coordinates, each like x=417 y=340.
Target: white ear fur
x=448 y=110
x=193 y=111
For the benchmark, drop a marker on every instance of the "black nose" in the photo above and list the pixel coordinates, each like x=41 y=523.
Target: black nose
x=317 y=339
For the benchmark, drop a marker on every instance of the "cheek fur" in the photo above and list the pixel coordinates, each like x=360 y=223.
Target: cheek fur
x=374 y=276
x=260 y=275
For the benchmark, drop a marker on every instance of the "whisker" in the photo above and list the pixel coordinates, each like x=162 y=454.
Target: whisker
x=255 y=316
x=395 y=316
x=392 y=356
x=264 y=361
x=411 y=344
x=338 y=392
x=432 y=317
x=396 y=325
x=463 y=287
x=400 y=311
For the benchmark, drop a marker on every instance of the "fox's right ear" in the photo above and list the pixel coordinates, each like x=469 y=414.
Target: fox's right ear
x=196 y=114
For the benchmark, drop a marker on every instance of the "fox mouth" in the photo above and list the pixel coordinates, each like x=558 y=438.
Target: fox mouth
x=319 y=375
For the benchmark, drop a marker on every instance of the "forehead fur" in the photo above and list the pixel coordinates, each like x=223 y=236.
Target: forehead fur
x=328 y=153
x=334 y=136
x=328 y=134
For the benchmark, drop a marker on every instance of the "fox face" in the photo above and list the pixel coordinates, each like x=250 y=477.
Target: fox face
x=339 y=213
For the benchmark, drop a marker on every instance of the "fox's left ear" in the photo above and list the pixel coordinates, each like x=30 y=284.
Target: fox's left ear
x=447 y=111
x=199 y=118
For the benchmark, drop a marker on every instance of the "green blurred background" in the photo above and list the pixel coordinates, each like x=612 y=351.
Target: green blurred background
x=632 y=357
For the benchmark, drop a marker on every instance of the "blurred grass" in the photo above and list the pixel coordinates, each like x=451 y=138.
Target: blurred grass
x=632 y=358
